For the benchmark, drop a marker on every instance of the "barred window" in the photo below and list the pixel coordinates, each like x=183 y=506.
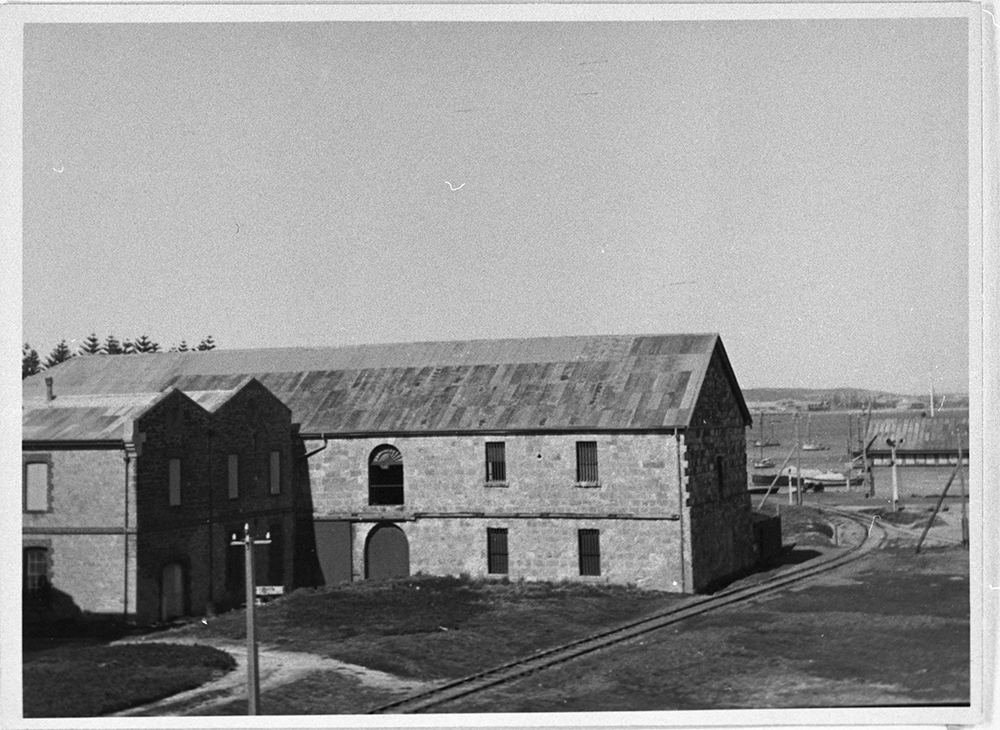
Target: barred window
x=36 y=569
x=234 y=476
x=590 y=551
x=496 y=463
x=586 y=461
x=496 y=549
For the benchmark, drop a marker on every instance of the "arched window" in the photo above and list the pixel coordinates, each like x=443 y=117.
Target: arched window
x=385 y=476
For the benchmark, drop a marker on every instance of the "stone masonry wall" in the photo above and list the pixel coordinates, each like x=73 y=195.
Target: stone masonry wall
x=644 y=553
x=721 y=534
x=251 y=424
x=638 y=474
x=448 y=504
x=83 y=529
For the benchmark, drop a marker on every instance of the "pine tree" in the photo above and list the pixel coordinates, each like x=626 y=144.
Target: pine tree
x=128 y=347
x=144 y=344
x=91 y=345
x=31 y=364
x=183 y=347
x=206 y=344
x=61 y=353
x=112 y=346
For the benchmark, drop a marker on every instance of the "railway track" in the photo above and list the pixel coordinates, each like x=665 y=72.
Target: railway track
x=871 y=536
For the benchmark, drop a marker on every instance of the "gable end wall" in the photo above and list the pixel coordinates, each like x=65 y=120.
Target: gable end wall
x=720 y=538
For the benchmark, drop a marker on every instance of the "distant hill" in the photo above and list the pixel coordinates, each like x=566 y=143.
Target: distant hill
x=817 y=395
x=847 y=397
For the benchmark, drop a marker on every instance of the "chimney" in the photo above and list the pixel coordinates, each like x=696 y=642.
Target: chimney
x=48 y=389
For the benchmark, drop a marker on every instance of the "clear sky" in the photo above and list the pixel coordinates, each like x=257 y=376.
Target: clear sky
x=800 y=186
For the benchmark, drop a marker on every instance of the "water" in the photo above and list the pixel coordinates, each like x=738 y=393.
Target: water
x=831 y=429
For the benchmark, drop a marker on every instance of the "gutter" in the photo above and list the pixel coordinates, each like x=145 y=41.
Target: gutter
x=326 y=435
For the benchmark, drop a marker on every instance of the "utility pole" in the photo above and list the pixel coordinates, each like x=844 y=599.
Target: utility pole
x=798 y=466
x=791 y=486
x=965 y=509
x=869 y=472
x=253 y=676
x=895 y=473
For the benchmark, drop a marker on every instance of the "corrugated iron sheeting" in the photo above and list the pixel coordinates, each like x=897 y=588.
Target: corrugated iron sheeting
x=615 y=382
x=939 y=434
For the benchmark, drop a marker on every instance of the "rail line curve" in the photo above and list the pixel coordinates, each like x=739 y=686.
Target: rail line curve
x=872 y=536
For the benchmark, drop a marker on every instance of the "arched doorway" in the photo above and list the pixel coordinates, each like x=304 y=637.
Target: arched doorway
x=387 y=553
x=172 y=591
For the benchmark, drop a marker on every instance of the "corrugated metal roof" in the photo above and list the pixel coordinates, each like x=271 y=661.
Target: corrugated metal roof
x=98 y=416
x=915 y=433
x=83 y=417
x=608 y=382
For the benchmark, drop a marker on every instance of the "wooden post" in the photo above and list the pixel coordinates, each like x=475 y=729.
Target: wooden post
x=869 y=472
x=965 y=509
x=895 y=474
x=937 y=507
x=775 y=481
x=798 y=464
x=253 y=675
x=791 y=485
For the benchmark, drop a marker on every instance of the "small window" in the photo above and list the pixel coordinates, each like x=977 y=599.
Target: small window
x=586 y=462
x=590 y=551
x=496 y=464
x=175 y=482
x=234 y=476
x=275 y=472
x=496 y=550
x=36 y=487
x=36 y=569
x=720 y=477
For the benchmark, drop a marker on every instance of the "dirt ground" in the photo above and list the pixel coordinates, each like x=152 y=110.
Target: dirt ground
x=889 y=629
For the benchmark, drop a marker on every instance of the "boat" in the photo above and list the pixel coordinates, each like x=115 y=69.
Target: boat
x=763 y=463
x=808 y=445
x=816 y=479
x=765 y=441
x=834 y=479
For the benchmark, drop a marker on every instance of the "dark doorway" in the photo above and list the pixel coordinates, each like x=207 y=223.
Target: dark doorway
x=172 y=592
x=333 y=551
x=387 y=553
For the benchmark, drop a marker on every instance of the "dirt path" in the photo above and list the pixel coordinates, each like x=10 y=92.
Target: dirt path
x=276 y=668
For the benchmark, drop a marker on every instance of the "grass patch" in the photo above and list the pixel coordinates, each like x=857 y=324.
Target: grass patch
x=437 y=627
x=90 y=680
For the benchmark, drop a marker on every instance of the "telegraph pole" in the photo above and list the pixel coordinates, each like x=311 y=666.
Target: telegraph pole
x=895 y=474
x=253 y=675
x=961 y=483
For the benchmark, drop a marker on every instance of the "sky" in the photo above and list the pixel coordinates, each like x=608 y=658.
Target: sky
x=799 y=186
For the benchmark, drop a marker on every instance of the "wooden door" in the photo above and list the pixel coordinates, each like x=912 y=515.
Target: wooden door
x=387 y=553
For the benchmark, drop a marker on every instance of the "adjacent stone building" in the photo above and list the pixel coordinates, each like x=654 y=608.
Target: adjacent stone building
x=130 y=499
x=612 y=458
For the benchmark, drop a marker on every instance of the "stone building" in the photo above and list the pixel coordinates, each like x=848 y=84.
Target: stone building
x=614 y=458
x=130 y=499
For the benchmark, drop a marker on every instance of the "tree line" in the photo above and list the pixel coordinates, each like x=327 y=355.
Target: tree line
x=31 y=363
